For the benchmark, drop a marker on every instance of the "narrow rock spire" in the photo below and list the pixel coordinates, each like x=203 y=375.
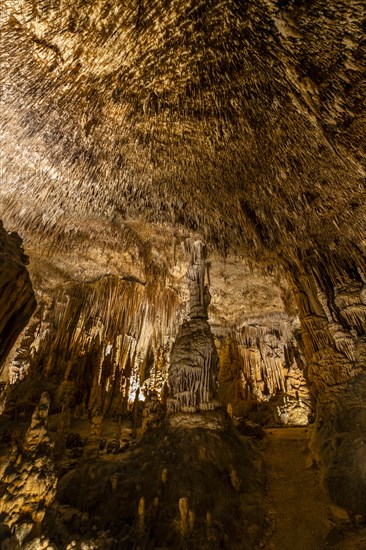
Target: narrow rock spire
x=194 y=359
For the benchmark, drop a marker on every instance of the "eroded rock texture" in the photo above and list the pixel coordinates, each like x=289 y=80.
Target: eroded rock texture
x=333 y=314
x=180 y=487
x=125 y=130
x=94 y=345
x=17 y=301
x=263 y=372
x=193 y=368
x=28 y=478
x=194 y=360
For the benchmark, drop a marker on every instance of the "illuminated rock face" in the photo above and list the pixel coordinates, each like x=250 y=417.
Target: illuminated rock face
x=17 y=301
x=192 y=373
x=28 y=475
x=194 y=359
x=199 y=294
x=330 y=295
x=241 y=118
x=262 y=374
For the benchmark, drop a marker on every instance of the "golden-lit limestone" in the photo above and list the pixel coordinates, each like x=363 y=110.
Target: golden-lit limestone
x=236 y=482
x=111 y=328
x=164 y=475
x=193 y=369
x=193 y=359
x=334 y=344
x=246 y=129
x=141 y=516
x=184 y=510
x=29 y=479
x=261 y=361
x=114 y=113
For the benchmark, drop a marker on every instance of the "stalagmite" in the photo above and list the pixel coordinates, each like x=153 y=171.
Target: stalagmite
x=62 y=430
x=91 y=448
x=164 y=475
x=126 y=130
x=184 y=511
x=141 y=516
x=194 y=360
x=28 y=476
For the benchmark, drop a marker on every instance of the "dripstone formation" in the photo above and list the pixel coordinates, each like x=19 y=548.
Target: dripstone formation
x=332 y=308
x=194 y=359
x=126 y=130
x=28 y=479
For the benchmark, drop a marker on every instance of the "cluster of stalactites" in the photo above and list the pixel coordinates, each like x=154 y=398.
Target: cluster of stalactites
x=101 y=341
x=271 y=360
x=332 y=305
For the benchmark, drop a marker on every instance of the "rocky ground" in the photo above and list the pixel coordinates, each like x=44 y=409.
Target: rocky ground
x=301 y=516
x=193 y=482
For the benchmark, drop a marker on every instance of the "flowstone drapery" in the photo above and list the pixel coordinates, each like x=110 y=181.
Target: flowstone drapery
x=194 y=359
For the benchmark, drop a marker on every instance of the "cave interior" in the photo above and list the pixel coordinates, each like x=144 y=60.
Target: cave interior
x=182 y=275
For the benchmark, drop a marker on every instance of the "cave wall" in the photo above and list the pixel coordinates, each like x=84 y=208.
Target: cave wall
x=251 y=135
x=17 y=300
x=263 y=372
x=94 y=345
x=331 y=296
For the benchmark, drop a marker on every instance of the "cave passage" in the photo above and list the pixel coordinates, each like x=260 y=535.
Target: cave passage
x=182 y=275
x=300 y=513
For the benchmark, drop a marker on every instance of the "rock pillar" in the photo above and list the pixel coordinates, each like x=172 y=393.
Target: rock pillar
x=332 y=307
x=194 y=359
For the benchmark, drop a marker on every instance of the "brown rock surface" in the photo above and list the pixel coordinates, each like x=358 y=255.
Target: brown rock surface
x=17 y=301
x=299 y=512
x=28 y=479
x=333 y=324
x=182 y=485
x=128 y=129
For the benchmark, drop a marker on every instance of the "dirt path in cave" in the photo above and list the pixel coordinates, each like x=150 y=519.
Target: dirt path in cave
x=299 y=510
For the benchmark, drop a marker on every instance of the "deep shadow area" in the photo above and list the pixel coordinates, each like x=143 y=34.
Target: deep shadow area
x=196 y=484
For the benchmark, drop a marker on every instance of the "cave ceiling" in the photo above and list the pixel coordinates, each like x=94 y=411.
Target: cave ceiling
x=128 y=126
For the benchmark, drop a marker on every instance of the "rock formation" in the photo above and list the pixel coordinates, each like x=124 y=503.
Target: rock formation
x=194 y=360
x=28 y=477
x=17 y=301
x=93 y=344
x=131 y=128
x=179 y=487
x=262 y=372
x=333 y=314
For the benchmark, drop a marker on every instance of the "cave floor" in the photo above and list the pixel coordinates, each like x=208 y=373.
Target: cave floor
x=300 y=514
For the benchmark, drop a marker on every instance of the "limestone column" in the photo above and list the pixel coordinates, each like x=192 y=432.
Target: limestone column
x=194 y=359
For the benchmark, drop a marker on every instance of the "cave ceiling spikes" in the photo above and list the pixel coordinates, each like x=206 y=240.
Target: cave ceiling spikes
x=242 y=120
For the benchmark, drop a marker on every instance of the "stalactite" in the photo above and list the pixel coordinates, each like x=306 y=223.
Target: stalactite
x=333 y=333
x=261 y=363
x=92 y=332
